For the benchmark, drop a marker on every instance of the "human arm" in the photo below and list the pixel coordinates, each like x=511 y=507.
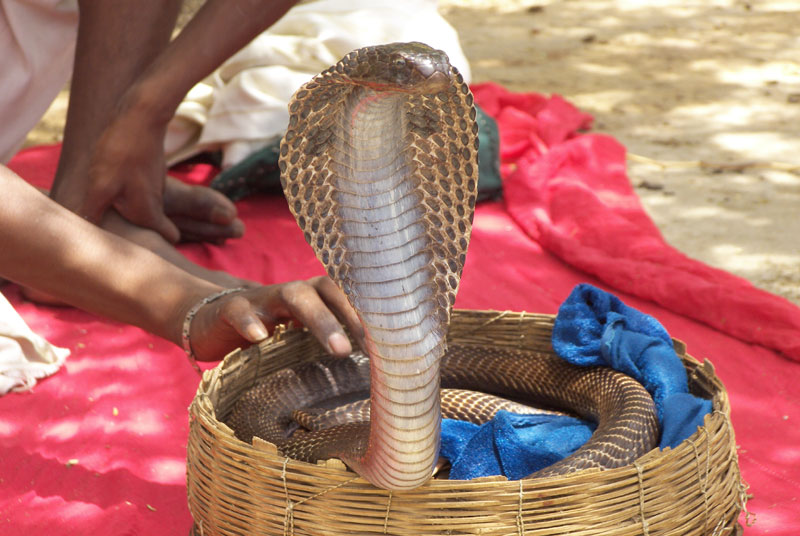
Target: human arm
x=116 y=42
x=46 y=247
x=128 y=167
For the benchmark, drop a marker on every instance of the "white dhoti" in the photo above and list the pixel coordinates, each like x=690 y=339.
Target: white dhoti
x=24 y=355
x=243 y=105
x=37 y=45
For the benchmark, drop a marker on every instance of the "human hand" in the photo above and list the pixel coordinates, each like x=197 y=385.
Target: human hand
x=246 y=317
x=128 y=172
x=201 y=213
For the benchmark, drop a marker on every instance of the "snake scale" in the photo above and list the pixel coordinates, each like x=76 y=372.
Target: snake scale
x=379 y=167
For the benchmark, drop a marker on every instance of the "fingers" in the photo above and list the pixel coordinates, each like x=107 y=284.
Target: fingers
x=337 y=302
x=304 y=303
x=201 y=214
x=193 y=230
x=197 y=202
x=166 y=228
x=318 y=304
x=156 y=221
x=147 y=211
x=239 y=313
x=222 y=326
x=97 y=201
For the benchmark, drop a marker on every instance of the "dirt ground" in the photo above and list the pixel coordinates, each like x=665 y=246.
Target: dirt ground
x=705 y=94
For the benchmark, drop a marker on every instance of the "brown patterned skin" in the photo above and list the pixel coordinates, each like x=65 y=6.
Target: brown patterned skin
x=379 y=167
x=440 y=142
x=320 y=400
x=461 y=404
x=624 y=411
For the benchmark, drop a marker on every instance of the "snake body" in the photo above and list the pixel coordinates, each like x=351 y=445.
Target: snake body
x=379 y=166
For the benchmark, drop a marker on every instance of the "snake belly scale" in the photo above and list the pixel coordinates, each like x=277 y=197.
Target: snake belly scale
x=379 y=167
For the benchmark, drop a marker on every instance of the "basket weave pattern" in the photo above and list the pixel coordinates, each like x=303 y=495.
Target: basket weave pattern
x=240 y=489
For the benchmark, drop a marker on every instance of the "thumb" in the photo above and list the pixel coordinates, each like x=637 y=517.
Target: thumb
x=95 y=203
x=253 y=329
x=238 y=312
x=150 y=216
x=166 y=228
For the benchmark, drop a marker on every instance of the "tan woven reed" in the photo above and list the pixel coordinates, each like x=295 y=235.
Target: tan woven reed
x=240 y=489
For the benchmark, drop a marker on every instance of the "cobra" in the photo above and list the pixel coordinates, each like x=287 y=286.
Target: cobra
x=379 y=167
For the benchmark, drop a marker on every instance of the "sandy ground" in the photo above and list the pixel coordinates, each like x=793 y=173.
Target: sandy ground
x=704 y=93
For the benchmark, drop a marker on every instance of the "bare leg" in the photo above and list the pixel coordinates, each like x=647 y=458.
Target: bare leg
x=153 y=241
x=117 y=41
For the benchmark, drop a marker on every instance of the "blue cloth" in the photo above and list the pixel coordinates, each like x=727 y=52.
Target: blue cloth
x=510 y=444
x=592 y=327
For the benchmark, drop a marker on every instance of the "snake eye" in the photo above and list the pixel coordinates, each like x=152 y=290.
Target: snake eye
x=399 y=63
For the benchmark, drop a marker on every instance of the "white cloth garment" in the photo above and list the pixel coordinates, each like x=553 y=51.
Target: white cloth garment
x=37 y=45
x=242 y=106
x=24 y=355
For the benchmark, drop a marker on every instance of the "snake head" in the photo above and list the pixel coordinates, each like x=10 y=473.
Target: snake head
x=407 y=67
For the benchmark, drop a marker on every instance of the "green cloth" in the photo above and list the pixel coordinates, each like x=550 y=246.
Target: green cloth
x=259 y=173
x=490 y=185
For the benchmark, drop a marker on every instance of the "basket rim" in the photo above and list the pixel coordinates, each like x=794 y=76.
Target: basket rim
x=238 y=488
x=651 y=459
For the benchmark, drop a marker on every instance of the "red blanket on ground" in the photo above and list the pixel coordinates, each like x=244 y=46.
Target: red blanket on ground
x=99 y=448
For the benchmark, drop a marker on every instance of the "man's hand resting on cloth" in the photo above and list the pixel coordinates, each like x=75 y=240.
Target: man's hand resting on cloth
x=128 y=171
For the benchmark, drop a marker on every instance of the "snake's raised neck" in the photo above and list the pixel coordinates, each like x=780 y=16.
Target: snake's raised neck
x=379 y=165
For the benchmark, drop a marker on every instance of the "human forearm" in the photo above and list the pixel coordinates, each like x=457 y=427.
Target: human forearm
x=117 y=42
x=127 y=167
x=50 y=249
x=218 y=30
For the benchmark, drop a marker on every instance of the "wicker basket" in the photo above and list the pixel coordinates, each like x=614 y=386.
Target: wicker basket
x=240 y=489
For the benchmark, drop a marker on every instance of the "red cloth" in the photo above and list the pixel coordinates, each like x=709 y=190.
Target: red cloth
x=118 y=409
x=570 y=193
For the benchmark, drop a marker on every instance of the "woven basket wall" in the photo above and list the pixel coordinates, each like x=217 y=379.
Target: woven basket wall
x=240 y=489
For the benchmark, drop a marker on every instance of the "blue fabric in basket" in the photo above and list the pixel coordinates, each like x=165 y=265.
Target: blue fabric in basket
x=592 y=327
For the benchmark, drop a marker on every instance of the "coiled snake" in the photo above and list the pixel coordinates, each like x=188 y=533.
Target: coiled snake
x=379 y=166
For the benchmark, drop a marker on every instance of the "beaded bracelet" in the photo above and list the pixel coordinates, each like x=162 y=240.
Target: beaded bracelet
x=187 y=323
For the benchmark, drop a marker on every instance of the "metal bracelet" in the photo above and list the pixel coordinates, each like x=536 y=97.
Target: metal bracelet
x=187 y=323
